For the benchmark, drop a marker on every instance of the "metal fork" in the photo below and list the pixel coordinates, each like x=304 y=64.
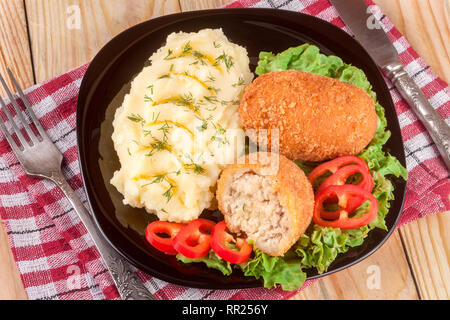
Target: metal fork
x=39 y=157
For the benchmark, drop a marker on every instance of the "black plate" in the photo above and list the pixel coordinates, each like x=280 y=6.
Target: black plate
x=107 y=81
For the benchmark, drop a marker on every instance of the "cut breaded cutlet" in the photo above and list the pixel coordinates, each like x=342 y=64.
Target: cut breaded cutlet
x=271 y=208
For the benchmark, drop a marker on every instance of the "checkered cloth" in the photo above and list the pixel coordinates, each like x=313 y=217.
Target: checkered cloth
x=56 y=257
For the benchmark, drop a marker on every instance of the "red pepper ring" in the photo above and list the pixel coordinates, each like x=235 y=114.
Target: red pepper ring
x=164 y=244
x=341 y=175
x=219 y=240
x=334 y=165
x=341 y=216
x=193 y=241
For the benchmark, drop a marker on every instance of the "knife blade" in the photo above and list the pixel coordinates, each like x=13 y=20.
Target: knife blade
x=368 y=31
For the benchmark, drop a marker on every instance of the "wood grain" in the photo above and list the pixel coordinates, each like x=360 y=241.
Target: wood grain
x=68 y=33
x=56 y=48
x=426 y=25
x=388 y=264
x=427 y=243
x=189 y=5
x=11 y=286
x=14 y=53
x=14 y=47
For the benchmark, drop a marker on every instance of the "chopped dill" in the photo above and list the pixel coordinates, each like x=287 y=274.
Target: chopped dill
x=169 y=192
x=159 y=145
x=198 y=54
x=212 y=109
x=169 y=53
x=193 y=166
x=135 y=118
x=219 y=135
x=203 y=127
x=211 y=99
x=163 y=177
x=187 y=48
x=210 y=79
x=184 y=100
x=159 y=177
x=226 y=59
x=154 y=119
x=233 y=102
x=216 y=90
x=165 y=130
x=239 y=83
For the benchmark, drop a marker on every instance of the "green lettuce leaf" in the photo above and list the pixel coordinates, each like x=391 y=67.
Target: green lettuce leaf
x=284 y=271
x=319 y=247
x=212 y=260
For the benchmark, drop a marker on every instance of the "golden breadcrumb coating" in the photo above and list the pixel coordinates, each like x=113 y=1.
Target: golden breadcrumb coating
x=318 y=118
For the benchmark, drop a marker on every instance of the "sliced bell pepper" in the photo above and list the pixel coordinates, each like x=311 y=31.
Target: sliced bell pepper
x=340 y=178
x=341 y=217
x=341 y=175
x=193 y=241
x=341 y=169
x=229 y=248
x=334 y=165
x=155 y=230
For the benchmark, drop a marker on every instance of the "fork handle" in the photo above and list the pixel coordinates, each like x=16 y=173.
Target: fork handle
x=127 y=283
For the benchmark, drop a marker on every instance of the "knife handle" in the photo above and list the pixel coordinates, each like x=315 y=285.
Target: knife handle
x=435 y=125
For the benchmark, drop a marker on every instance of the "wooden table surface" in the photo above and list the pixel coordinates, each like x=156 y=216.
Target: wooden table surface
x=39 y=39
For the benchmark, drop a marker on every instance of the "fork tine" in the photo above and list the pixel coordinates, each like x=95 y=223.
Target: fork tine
x=22 y=139
x=19 y=112
x=9 y=138
x=27 y=104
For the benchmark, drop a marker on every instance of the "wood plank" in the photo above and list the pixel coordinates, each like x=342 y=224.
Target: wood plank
x=11 y=287
x=68 y=33
x=14 y=46
x=426 y=240
x=427 y=243
x=388 y=265
x=328 y=287
x=189 y=5
x=426 y=25
x=14 y=53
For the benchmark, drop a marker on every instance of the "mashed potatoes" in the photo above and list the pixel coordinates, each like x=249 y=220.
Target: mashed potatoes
x=178 y=127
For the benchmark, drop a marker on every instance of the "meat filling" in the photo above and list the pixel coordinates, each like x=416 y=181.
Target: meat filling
x=254 y=208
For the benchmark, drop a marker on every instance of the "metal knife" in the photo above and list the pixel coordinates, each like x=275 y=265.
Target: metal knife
x=358 y=17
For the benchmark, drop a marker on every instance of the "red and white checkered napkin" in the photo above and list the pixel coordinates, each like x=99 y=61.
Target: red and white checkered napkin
x=56 y=257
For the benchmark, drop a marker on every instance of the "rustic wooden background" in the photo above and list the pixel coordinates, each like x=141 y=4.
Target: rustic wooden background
x=37 y=45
